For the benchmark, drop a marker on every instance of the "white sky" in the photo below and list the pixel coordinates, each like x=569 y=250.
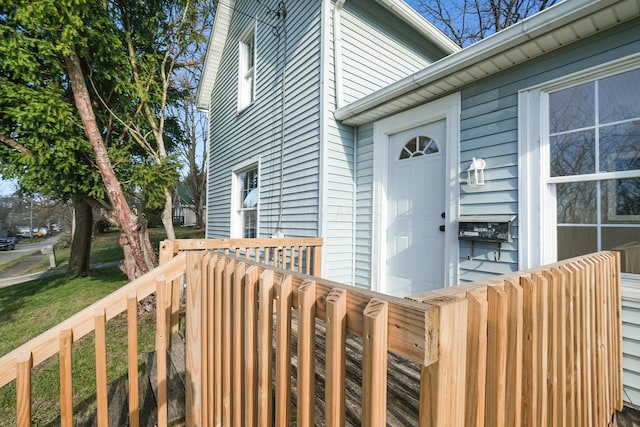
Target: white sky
x=7 y=187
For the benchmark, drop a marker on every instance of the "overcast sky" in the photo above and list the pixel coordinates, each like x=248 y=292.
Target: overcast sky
x=6 y=187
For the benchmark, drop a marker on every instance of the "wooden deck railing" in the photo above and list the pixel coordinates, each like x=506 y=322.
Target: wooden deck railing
x=303 y=255
x=544 y=345
x=534 y=348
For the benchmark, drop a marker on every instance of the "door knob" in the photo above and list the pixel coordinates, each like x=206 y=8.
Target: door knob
x=441 y=228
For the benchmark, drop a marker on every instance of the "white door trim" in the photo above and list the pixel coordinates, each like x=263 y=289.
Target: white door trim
x=447 y=108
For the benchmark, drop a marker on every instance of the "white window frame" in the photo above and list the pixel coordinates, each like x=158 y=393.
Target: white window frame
x=236 y=225
x=246 y=72
x=536 y=199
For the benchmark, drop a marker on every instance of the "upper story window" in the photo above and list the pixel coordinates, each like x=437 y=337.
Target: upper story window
x=594 y=167
x=247 y=69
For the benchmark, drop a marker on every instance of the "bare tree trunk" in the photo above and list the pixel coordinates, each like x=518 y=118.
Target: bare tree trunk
x=167 y=215
x=138 y=253
x=81 y=240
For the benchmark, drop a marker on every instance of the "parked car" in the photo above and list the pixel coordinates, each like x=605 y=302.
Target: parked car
x=23 y=233
x=8 y=243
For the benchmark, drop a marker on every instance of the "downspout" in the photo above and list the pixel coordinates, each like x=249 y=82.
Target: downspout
x=354 y=213
x=279 y=232
x=337 y=51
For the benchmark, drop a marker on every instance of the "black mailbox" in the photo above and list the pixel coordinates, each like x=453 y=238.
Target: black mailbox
x=486 y=228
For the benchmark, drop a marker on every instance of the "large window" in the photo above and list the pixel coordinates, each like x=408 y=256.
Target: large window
x=246 y=203
x=247 y=69
x=594 y=167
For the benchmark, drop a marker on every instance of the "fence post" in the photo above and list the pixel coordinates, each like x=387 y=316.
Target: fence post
x=476 y=358
x=265 y=353
x=374 y=364
x=193 y=361
x=100 y=320
x=132 y=358
x=250 y=359
x=167 y=250
x=66 y=386
x=317 y=261
x=23 y=389
x=306 y=348
x=284 y=295
x=336 y=324
x=442 y=384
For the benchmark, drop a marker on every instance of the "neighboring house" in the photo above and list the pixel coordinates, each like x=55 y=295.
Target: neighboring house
x=184 y=207
x=383 y=118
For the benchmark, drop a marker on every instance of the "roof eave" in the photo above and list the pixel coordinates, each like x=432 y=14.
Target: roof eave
x=422 y=25
x=489 y=51
x=214 y=54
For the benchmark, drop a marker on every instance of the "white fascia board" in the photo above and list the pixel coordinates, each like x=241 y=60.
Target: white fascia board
x=545 y=22
x=417 y=21
x=215 y=47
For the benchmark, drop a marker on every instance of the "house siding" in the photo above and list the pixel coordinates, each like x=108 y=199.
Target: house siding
x=488 y=130
x=631 y=350
x=257 y=132
x=377 y=49
x=364 y=203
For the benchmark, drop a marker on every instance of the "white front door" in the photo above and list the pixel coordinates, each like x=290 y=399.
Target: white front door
x=415 y=218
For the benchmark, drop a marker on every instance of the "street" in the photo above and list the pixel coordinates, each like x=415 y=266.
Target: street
x=25 y=247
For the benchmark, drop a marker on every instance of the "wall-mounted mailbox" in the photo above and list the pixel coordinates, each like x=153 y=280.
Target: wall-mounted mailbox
x=486 y=228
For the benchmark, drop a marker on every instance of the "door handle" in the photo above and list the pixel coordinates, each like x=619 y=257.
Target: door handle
x=441 y=228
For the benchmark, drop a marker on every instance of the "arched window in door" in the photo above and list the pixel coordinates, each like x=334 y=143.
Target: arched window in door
x=418 y=146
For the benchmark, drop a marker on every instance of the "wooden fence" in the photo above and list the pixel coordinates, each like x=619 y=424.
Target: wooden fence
x=534 y=348
x=544 y=346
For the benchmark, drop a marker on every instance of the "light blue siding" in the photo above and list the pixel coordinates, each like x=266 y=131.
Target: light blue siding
x=377 y=49
x=631 y=350
x=488 y=124
x=257 y=132
x=364 y=203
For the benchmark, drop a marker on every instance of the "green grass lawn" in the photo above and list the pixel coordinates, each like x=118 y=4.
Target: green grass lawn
x=28 y=309
x=104 y=247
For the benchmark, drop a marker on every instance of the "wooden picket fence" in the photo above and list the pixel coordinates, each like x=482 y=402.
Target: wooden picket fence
x=544 y=346
x=540 y=347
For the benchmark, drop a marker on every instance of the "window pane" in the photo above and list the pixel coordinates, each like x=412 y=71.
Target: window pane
x=619 y=97
x=572 y=108
x=250 y=52
x=576 y=241
x=626 y=240
x=621 y=201
x=249 y=190
x=428 y=145
x=620 y=147
x=572 y=153
x=576 y=203
x=249 y=224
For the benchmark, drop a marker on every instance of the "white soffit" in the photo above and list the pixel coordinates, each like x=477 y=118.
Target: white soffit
x=215 y=46
x=561 y=24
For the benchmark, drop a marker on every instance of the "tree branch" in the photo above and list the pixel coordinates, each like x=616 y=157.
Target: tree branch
x=12 y=143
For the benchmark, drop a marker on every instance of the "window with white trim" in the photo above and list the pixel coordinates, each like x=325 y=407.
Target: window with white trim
x=246 y=197
x=247 y=69
x=594 y=167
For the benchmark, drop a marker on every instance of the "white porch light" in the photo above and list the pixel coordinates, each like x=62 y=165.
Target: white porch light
x=475 y=173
